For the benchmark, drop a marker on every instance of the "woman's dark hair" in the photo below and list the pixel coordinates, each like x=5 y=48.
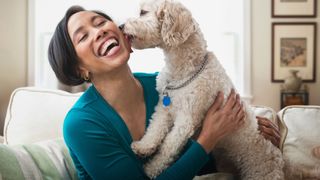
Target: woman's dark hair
x=61 y=53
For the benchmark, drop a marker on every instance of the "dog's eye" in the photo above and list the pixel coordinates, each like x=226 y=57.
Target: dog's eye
x=143 y=12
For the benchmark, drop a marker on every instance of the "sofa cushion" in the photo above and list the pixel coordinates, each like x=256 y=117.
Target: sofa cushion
x=36 y=114
x=43 y=160
x=302 y=138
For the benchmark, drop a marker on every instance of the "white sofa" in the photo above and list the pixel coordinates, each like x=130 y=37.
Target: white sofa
x=32 y=146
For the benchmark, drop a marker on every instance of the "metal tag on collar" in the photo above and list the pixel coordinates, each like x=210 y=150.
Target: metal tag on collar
x=166 y=101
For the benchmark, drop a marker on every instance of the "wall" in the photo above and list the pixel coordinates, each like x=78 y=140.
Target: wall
x=265 y=92
x=13 y=50
x=13 y=53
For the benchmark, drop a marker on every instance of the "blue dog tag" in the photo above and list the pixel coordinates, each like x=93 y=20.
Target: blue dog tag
x=166 y=100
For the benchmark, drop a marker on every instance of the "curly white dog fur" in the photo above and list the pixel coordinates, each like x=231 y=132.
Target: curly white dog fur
x=170 y=26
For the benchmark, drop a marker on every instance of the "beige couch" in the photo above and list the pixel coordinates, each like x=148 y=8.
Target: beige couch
x=33 y=147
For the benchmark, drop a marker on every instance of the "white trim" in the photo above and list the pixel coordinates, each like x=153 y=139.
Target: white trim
x=31 y=43
x=247 y=79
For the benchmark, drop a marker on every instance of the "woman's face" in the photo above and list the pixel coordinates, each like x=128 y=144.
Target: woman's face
x=99 y=43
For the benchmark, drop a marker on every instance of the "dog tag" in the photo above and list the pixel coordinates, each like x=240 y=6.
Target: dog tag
x=166 y=100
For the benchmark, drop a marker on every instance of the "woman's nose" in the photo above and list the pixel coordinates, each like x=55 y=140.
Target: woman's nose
x=100 y=34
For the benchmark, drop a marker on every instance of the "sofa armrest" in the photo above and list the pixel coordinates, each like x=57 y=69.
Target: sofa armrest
x=1 y=139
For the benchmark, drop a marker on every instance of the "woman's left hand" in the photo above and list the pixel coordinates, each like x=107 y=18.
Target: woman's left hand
x=269 y=130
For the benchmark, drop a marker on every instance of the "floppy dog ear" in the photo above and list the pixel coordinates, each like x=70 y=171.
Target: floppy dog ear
x=177 y=23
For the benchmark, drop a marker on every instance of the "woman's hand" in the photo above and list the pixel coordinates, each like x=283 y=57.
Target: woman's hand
x=221 y=120
x=269 y=130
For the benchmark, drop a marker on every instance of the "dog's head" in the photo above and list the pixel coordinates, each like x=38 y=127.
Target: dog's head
x=162 y=23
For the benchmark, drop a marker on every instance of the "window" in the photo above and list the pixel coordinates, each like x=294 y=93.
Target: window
x=225 y=25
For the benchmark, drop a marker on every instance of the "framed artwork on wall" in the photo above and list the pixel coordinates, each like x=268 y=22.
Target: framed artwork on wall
x=293 y=48
x=294 y=8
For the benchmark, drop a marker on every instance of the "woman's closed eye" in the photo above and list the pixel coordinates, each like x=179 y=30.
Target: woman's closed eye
x=101 y=22
x=82 y=37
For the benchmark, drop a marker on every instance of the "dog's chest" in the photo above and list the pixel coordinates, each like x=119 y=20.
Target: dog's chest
x=186 y=97
x=199 y=93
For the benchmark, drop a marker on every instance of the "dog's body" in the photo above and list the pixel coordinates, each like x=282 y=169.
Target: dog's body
x=170 y=26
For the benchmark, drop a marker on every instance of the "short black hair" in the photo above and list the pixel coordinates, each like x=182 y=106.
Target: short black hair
x=61 y=53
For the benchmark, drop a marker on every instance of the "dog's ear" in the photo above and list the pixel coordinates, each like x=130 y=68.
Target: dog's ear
x=177 y=23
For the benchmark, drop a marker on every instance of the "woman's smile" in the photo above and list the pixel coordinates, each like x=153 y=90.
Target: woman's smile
x=108 y=47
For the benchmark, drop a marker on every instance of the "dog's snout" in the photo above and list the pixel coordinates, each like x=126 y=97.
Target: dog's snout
x=121 y=27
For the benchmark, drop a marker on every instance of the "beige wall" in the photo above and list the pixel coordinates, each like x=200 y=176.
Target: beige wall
x=265 y=92
x=13 y=50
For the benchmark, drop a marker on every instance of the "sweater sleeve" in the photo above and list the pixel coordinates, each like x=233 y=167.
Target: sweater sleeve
x=97 y=153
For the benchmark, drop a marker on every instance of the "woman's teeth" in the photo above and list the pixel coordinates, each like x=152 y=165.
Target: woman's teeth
x=107 y=46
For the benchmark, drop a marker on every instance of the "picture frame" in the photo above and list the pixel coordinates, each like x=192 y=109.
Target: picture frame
x=294 y=8
x=293 y=48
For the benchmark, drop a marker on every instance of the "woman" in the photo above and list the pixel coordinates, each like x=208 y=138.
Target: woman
x=115 y=110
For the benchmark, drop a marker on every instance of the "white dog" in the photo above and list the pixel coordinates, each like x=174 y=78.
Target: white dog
x=188 y=85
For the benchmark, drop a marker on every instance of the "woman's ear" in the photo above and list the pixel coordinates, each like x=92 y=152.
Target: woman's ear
x=84 y=73
x=177 y=23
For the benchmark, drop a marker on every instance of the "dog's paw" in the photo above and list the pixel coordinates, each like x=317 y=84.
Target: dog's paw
x=151 y=170
x=141 y=149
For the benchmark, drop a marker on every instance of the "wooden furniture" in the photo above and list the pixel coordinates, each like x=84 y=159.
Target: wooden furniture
x=288 y=98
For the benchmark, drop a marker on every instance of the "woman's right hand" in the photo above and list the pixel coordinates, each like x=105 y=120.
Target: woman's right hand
x=221 y=120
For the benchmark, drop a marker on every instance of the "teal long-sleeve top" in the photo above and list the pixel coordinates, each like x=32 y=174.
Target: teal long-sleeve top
x=99 y=141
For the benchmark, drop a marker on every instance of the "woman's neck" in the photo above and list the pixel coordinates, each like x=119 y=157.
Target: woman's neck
x=120 y=89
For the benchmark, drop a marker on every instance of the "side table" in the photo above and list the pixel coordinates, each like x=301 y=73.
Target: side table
x=288 y=98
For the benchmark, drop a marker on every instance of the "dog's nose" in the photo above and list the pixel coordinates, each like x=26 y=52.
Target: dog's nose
x=121 y=27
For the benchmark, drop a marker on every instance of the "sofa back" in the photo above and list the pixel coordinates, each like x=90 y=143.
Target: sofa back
x=36 y=114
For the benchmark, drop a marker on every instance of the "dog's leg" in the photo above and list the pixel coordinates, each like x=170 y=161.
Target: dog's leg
x=159 y=127
x=182 y=130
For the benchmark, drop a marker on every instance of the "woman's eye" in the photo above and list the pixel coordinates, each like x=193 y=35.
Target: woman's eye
x=143 y=12
x=82 y=38
x=100 y=23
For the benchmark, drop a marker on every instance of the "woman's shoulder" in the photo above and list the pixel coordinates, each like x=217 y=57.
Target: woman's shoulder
x=82 y=107
x=88 y=97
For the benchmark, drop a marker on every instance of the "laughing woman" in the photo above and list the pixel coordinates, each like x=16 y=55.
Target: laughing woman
x=115 y=110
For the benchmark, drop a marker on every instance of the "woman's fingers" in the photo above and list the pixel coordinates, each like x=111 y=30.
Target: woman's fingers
x=275 y=141
x=217 y=103
x=270 y=127
x=269 y=130
x=241 y=113
x=237 y=105
x=231 y=101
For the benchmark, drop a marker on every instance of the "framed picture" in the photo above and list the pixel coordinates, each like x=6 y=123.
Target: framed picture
x=294 y=8
x=293 y=48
